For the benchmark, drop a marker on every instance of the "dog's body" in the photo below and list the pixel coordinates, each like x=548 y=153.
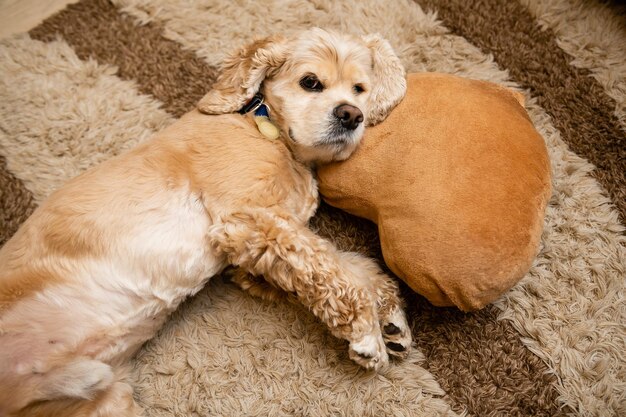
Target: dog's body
x=105 y=259
x=99 y=266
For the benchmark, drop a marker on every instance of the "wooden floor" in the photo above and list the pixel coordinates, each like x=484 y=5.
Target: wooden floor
x=22 y=15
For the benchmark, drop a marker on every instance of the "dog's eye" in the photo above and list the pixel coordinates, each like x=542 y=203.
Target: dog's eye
x=358 y=88
x=311 y=83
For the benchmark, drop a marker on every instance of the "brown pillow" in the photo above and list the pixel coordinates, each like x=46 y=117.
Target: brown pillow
x=457 y=179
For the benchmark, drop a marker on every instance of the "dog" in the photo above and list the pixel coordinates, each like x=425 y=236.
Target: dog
x=99 y=266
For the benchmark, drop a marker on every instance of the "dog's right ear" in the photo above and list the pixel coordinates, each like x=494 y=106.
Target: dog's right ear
x=389 y=79
x=242 y=75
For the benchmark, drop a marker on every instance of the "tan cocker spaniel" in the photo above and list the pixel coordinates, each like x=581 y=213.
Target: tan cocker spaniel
x=100 y=265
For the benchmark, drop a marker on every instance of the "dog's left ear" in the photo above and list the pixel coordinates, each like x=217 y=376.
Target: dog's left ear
x=242 y=75
x=389 y=83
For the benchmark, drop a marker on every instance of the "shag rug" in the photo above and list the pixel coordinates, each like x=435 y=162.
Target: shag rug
x=101 y=76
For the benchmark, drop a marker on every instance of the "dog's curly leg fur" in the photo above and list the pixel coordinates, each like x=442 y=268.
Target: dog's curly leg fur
x=256 y=286
x=392 y=319
x=293 y=258
x=390 y=307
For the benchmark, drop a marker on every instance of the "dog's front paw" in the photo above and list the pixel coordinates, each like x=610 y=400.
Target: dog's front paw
x=396 y=333
x=369 y=352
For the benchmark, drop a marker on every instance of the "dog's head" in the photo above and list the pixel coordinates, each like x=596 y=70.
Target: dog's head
x=322 y=88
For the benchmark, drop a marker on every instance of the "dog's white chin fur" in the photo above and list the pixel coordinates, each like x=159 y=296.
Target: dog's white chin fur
x=323 y=153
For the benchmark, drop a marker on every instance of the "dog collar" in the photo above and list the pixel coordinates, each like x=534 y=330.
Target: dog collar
x=252 y=105
x=261 y=116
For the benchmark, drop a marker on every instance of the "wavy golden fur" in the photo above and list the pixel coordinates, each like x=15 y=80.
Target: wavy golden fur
x=99 y=266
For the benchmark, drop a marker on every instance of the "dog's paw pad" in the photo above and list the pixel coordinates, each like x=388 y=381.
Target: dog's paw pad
x=365 y=355
x=396 y=347
x=391 y=329
x=396 y=334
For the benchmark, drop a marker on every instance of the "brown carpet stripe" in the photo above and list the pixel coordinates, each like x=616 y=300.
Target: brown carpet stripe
x=161 y=68
x=580 y=109
x=16 y=203
x=481 y=363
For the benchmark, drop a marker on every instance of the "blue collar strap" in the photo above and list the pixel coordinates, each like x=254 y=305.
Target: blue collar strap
x=253 y=105
x=262 y=110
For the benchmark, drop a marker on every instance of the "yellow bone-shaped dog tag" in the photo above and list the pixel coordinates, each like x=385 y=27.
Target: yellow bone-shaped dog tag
x=267 y=128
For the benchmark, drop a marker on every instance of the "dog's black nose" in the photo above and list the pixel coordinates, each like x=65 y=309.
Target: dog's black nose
x=348 y=115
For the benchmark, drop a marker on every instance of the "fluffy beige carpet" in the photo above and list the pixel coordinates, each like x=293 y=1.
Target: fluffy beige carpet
x=102 y=76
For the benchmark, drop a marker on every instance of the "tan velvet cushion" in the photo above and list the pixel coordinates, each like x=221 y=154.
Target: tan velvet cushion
x=457 y=179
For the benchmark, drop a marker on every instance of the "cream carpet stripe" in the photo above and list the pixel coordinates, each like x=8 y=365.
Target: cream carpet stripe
x=570 y=309
x=62 y=115
x=269 y=359
x=594 y=36
x=213 y=28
